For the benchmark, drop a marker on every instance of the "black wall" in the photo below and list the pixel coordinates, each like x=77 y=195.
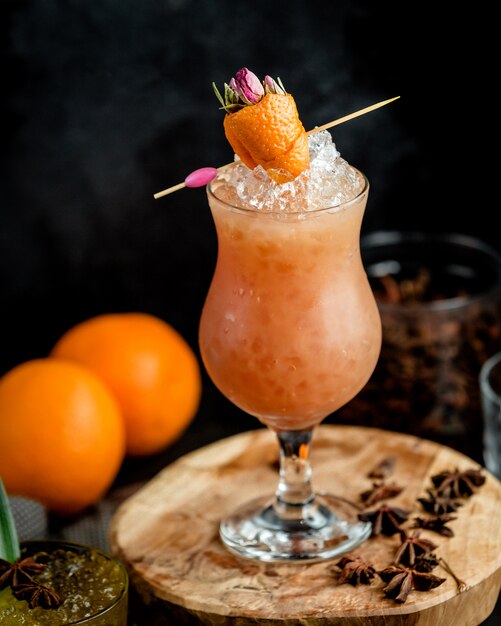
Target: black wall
x=108 y=101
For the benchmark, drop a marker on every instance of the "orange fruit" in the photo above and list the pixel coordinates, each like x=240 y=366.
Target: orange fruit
x=62 y=438
x=270 y=134
x=148 y=367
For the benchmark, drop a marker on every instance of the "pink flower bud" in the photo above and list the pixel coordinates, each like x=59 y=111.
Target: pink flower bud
x=271 y=86
x=233 y=86
x=247 y=86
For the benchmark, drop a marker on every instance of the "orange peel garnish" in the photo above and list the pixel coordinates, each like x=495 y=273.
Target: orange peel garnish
x=270 y=134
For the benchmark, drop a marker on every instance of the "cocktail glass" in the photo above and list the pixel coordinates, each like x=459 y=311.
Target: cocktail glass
x=290 y=332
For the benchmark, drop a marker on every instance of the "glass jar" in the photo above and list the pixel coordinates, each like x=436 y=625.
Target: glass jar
x=439 y=297
x=101 y=573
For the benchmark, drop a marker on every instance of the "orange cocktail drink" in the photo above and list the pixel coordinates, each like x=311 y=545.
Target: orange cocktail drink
x=290 y=330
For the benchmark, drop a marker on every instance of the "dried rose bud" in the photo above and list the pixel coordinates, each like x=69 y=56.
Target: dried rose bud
x=271 y=86
x=247 y=86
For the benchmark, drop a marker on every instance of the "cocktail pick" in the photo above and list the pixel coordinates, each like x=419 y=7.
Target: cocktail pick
x=204 y=175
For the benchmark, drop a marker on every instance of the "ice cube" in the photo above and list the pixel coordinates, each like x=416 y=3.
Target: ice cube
x=329 y=182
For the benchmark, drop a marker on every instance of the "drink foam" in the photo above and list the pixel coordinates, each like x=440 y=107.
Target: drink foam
x=329 y=182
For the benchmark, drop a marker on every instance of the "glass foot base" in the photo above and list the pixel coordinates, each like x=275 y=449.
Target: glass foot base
x=323 y=529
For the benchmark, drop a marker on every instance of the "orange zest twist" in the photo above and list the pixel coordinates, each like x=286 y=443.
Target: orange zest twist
x=270 y=134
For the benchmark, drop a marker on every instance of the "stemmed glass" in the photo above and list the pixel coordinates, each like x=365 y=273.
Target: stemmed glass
x=290 y=332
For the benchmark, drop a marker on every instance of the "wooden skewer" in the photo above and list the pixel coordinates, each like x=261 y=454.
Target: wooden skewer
x=352 y=116
x=340 y=120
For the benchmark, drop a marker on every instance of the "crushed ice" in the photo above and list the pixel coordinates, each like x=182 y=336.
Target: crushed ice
x=329 y=182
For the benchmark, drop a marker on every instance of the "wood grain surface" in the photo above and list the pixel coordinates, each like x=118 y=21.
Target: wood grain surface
x=167 y=534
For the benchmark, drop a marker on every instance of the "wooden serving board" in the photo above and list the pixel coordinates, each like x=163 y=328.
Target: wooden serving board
x=167 y=534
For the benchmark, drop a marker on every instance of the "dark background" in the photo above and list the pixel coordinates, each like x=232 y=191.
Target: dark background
x=107 y=102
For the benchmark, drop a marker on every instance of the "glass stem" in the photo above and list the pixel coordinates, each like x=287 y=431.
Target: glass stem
x=294 y=488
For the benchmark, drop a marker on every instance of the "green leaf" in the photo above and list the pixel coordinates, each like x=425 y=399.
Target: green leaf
x=230 y=97
x=218 y=95
x=9 y=543
x=279 y=81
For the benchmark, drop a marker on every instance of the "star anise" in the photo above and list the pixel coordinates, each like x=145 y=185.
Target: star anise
x=426 y=562
x=21 y=571
x=380 y=491
x=412 y=546
x=402 y=580
x=436 y=524
x=383 y=469
x=439 y=504
x=386 y=519
x=355 y=570
x=37 y=595
x=458 y=484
